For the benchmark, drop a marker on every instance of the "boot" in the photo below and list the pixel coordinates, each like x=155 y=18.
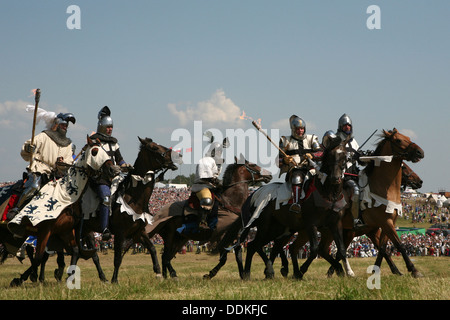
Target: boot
x=356 y=212
x=104 y=221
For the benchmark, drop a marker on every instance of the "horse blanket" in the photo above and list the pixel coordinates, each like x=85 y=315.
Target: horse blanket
x=50 y=201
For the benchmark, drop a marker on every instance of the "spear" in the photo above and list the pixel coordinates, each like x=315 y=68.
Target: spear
x=37 y=97
x=257 y=126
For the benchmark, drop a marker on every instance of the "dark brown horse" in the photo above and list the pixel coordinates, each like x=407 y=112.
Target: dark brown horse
x=322 y=206
x=135 y=191
x=236 y=180
x=94 y=161
x=409 y=179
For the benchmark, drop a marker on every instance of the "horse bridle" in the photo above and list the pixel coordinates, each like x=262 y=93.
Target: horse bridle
x=252 y=172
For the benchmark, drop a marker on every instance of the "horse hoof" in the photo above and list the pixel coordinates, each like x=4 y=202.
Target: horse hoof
x=417 y=274
x=284 y=272
x=16 y=282
x=206 y=277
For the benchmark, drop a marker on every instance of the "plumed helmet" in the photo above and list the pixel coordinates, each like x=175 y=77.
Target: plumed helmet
x=296 y=122
x=65 y=118
x=343 y=120
x=104 y=120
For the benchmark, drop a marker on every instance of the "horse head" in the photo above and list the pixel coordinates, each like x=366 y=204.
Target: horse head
x=402 y=146
x=97 y=161
x=333 y=166
x=410 y=178
x=244 y=171
x=159 y=156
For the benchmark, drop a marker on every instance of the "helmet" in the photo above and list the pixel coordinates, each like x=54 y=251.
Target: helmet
x=296 y=122
x=104 y=120
x=65 y=118
x=343 y=120
x=328 y=138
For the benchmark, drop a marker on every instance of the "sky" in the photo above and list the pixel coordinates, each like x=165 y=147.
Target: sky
x=170 y=70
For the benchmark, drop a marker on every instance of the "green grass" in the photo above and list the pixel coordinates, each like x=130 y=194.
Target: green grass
x=138 y=282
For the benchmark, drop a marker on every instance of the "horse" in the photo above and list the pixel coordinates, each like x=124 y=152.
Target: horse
x=409 y=179
x=322 y=206
x=129 y=216
x=61 y=226
x=230 y=197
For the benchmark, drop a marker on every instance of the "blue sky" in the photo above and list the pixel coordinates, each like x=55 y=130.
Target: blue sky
x=161 y=65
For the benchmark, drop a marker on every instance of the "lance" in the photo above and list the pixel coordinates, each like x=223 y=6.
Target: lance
x=37 y=97
x=367 y=140
x=257 y=126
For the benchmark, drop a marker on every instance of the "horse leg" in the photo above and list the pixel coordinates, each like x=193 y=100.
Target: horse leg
x=278 y=249
x=43 y=263
x=341 y=253
x=389 y=230
x=294 y=249
x=29 y=273
x=268 y=270
x=251 y=250
x=314 y=242
x=153 y=254
x=222 y=261
x=238 y=256
x=58 y=273
x=380 y=242
x=118 y=255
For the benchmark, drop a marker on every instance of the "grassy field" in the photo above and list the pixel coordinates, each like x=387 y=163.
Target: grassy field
x=138 y=282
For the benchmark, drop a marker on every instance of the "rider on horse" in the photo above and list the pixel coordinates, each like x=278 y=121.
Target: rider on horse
x=206 y=180
x=49 y=157
x=297 y=146
x=345 y=129
x=103 y=186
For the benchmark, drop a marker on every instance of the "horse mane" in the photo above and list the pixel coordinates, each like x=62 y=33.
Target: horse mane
x=382 y=138
x=228 y=174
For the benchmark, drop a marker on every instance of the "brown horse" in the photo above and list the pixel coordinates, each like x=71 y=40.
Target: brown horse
x=322 y=206
x=409 y=179
x=136 y=190
x=236 y=180
x=94 y=161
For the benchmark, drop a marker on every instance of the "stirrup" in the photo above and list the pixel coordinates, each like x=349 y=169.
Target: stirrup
x=106 y=234
x=295 y=207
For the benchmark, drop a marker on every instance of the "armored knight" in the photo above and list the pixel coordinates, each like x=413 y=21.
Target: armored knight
x=102 y=186
x=297 y=146
x=206 y=180
x=345 y=130
x=49 y=157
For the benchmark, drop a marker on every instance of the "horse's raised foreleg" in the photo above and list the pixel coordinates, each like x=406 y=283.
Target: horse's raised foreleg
x=43 y=263
x=294 y=250
x=153 y=253
x=278 y=249
x=251 y=250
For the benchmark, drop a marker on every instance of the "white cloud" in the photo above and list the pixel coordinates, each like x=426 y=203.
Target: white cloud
x=217 y=111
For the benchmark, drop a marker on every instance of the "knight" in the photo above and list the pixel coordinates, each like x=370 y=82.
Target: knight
x=206 y=182
x=297 y=147
x=103 y=186
x=49 y=156
x=345 y=130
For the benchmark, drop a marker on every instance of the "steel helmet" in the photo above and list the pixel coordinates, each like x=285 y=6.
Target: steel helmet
x=343 y=120
x=296 y=122
x=104 y=120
